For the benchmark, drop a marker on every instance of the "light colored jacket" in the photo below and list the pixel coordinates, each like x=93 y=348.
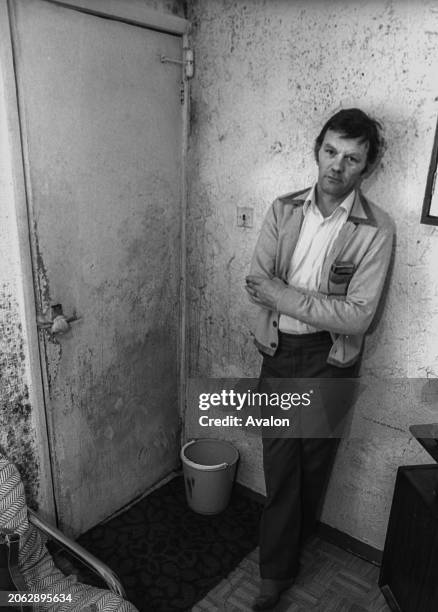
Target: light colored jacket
x=352 y=278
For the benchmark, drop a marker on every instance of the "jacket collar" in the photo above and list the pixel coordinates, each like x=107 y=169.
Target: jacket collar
x=346 y=205
x=360 y=213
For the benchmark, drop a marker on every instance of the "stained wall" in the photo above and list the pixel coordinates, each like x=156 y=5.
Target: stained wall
x=23 y=435
x=22 y=432
x=268 y=74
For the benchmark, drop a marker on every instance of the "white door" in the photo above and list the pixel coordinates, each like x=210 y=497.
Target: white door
x=101 y=121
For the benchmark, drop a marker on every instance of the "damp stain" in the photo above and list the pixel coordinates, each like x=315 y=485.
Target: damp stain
x=17 y=436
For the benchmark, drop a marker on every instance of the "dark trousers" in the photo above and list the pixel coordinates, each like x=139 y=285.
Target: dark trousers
x=296 y=469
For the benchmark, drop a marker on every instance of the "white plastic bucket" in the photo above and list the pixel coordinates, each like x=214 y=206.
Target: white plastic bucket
x=209 y=468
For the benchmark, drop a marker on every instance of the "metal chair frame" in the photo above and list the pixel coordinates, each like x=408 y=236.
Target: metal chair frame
x=79 y=552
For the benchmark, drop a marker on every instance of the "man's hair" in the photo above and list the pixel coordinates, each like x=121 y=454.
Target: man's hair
x=354 y=123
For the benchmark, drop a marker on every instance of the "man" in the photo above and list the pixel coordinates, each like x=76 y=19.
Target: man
x=317 y=274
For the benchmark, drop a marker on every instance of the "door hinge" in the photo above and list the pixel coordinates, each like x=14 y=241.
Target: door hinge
x=188 y=62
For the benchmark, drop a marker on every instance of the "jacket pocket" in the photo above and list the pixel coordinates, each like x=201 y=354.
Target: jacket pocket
x=340 y=276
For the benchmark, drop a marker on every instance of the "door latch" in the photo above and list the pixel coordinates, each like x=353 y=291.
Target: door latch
x=188 y=62
x=54 y=320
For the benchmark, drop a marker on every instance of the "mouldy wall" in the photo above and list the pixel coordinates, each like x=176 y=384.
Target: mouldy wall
x=18 y=440
x=268 y=74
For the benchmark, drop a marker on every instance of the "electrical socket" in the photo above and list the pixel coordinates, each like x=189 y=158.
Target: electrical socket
x=245 y=216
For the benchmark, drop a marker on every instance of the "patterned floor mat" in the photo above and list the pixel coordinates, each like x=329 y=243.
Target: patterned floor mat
x=167 y=556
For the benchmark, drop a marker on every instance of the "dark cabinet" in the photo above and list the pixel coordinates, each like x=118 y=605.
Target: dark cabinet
x=409 y=571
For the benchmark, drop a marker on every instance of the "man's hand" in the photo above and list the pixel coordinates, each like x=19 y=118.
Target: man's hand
x=264 y=291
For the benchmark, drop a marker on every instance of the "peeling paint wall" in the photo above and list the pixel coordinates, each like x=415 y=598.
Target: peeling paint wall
x=18 y=437
x=268 y=75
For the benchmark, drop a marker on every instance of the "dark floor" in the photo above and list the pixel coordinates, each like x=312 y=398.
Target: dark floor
x=167 y=556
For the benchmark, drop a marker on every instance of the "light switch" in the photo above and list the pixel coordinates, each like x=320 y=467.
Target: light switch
x=245 y=216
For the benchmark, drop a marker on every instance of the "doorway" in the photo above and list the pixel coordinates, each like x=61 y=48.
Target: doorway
x=102 y=135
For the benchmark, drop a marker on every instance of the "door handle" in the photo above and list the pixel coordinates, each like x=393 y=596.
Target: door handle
x=54 y=320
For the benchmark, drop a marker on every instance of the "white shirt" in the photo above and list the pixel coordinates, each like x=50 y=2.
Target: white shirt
x=316 y=238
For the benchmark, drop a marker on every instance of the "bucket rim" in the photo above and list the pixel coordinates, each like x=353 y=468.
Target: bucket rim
x=208 y=468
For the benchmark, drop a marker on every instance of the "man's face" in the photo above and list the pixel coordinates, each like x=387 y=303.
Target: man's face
x=341 y=162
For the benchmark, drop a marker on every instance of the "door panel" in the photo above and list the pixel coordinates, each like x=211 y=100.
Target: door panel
x=102 y=124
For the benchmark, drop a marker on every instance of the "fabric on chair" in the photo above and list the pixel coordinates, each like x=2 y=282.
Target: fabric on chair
x=36 y=563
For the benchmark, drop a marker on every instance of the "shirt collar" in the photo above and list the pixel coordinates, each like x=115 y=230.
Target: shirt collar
x=346 y=204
